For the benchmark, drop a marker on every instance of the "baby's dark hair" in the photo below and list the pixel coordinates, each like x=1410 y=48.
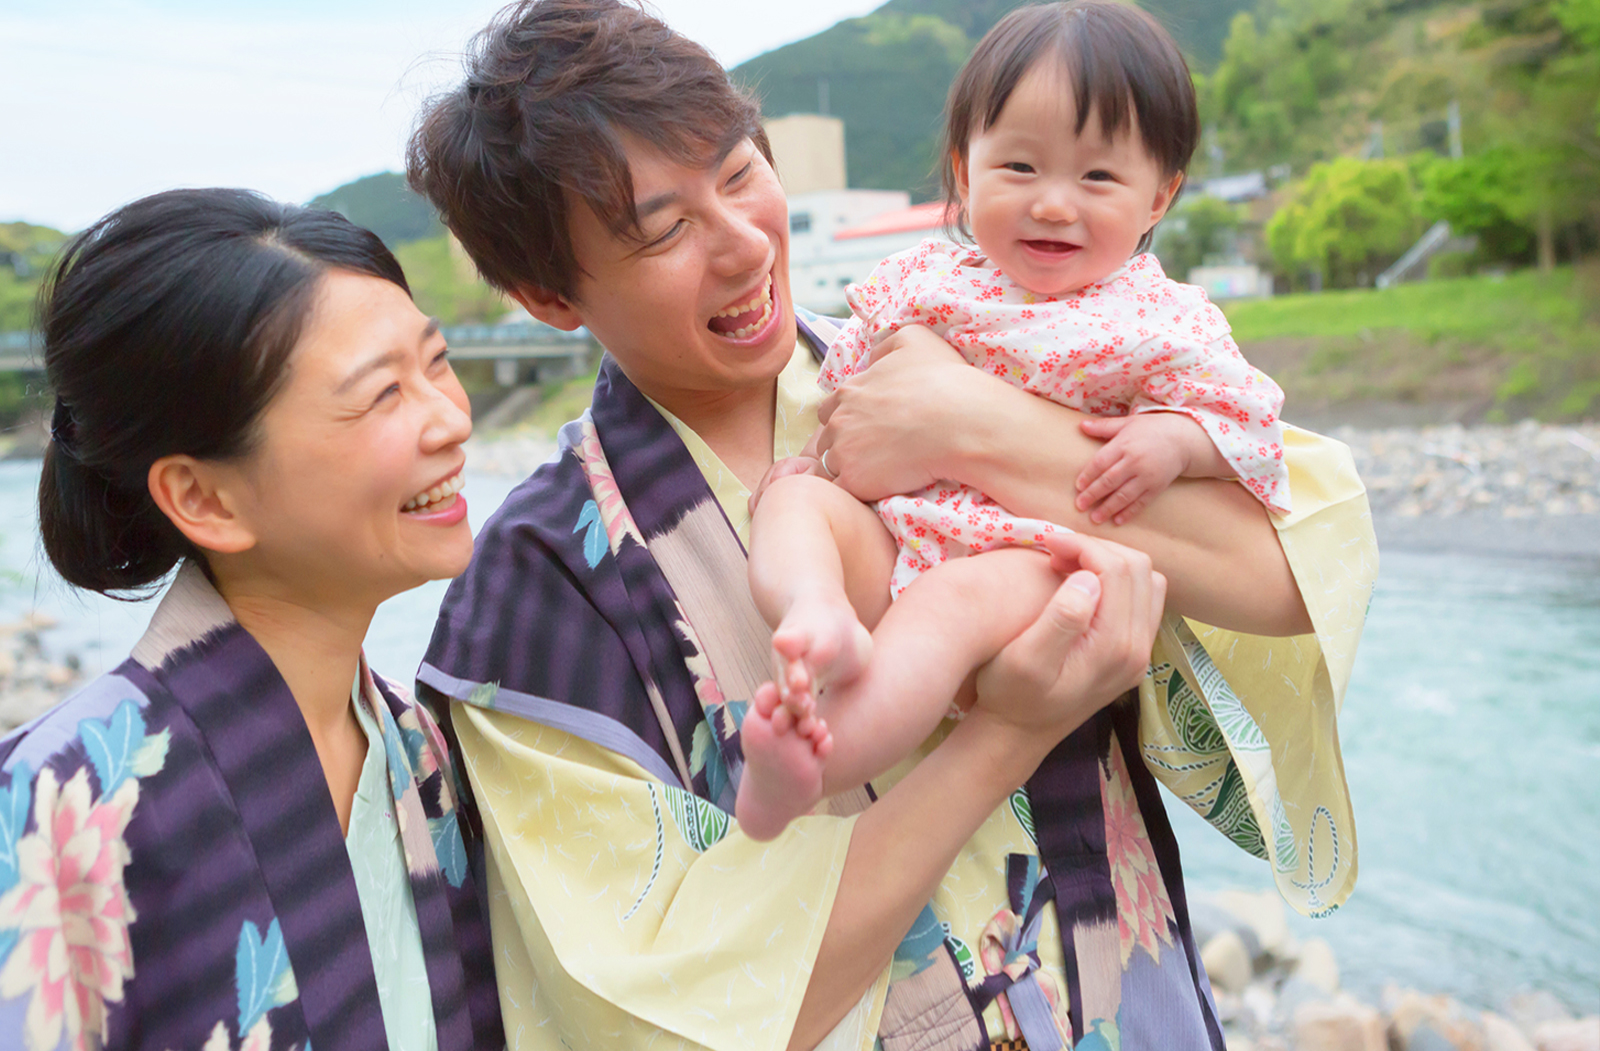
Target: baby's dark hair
x=1113 y=53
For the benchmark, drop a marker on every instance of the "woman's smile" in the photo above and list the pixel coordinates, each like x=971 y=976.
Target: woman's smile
x=439 y=503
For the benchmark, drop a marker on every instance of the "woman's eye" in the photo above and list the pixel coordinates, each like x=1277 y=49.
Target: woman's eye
x=391 y=389
x=742 y=172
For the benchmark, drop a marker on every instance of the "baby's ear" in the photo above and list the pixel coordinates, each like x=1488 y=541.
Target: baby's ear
x=1165 y=195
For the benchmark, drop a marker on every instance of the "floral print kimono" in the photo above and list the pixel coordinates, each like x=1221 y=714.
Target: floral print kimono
x=600 y=653
x=173 y=875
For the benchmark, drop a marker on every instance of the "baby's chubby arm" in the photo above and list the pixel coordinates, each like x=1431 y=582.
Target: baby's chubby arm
x=1143 y=454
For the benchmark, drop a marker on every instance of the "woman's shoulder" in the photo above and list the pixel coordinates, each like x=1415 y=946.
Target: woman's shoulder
x=103 y=726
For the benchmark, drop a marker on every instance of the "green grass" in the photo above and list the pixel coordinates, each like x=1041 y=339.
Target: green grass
x=1525 y=344
x=1470 y=308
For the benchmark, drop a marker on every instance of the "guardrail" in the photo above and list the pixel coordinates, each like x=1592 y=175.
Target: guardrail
x=506 y=344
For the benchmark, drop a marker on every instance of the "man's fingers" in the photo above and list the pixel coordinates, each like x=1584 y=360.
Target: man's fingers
x=1068 y=614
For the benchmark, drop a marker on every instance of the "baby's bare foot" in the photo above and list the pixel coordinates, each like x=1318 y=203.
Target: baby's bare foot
x=783 y=756
x=819 y=644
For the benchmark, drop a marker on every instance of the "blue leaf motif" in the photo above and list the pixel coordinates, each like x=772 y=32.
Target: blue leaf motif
x=258 y=971
x=15 y=802
x=448 y=847
x=14 y=805
x=111 y=744
x=594 y=541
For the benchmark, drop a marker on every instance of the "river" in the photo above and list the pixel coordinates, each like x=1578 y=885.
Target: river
x=1471 y=737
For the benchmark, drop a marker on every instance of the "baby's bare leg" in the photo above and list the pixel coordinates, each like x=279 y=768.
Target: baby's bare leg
x=814 y=549
x=947 y=624
x=820 y=562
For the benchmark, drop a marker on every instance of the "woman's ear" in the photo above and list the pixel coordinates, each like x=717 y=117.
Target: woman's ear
x=194 y=497
x=555 y=311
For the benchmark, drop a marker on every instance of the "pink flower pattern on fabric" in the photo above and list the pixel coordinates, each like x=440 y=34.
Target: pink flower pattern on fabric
x=1145 y=918
x=72 y=912
x=1135 y=342
x=614 y=514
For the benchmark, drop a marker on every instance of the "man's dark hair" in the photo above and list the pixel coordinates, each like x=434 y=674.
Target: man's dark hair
x=554 y=89
x=1114 y=54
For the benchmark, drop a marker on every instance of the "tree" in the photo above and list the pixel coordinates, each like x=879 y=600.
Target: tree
x=1346 y=221
x=1485 y=195
x=1199 y=227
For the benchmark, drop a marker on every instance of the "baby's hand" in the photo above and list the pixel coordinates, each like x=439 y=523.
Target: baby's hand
x=783 y=468
x=1142 y=455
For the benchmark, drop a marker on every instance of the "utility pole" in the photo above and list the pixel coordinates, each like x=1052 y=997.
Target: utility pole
x=1453 y=118
x=822 y=95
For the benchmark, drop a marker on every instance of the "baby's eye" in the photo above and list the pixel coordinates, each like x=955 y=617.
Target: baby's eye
x=1018 y=166
x=1099 y=175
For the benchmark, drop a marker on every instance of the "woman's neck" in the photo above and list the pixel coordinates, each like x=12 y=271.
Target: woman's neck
x=316 y=646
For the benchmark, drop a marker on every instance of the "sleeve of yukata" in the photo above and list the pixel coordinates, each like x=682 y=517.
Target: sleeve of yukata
x=1244 y=728
x=1200 y=373
x=886 y=298
x=628 y=913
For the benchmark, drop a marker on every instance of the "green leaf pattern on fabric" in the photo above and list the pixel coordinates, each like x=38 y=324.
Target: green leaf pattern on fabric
x=1022 y=807
x=701 y=824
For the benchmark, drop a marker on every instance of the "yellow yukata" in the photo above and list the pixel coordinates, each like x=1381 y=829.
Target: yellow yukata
x=628 y=913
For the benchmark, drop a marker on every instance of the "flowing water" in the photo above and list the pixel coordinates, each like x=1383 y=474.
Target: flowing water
x=1471 y=737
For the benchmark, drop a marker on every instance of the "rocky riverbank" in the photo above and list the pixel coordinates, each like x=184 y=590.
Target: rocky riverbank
x=1521 y=490
x=1277 y=993
x=29 y=681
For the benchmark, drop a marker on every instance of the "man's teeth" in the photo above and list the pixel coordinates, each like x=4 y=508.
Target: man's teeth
x=754 y=326
x=764 y=298
x=446 y=488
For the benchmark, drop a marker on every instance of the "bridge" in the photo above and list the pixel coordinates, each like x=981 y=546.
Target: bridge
x=522 y=351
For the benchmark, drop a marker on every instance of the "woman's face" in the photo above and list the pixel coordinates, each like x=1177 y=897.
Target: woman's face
x=700 y=308
x=350 y=492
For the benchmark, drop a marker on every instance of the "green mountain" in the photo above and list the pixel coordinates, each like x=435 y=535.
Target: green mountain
x=384 y=204
x=886 y=75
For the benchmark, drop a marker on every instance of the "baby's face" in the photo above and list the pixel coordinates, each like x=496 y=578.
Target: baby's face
x=1053 y=210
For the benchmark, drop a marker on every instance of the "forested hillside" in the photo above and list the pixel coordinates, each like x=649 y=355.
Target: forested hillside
x=886 y=75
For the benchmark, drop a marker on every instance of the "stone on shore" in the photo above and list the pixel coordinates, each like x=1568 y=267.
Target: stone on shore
x=1501 y=1034
x=1576 y=1034
x=1318 y=965
x=1342 y=1024
x=1227 y=962
x=1431 y=1023
x=1263 y=912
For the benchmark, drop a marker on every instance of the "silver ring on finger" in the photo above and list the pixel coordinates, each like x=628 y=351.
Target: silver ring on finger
x=828 y=470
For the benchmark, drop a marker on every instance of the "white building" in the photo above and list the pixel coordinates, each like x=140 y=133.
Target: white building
x=837 y=238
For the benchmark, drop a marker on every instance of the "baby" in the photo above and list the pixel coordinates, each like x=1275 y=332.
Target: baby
x=1068 y=134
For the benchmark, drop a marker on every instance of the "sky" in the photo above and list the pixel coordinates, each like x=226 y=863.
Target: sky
x=104 y=101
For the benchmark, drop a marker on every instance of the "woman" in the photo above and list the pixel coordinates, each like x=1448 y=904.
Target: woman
x=1017 y=879
x=241 y=837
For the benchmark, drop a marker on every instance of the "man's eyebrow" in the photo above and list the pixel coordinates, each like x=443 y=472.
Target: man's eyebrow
x=429 y=329
x=652 y=205
x=645 y=209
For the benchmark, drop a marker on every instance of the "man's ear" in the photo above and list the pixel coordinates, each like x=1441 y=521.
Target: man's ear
x=1165 y=195
x=554 y=310
x=195 y=497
